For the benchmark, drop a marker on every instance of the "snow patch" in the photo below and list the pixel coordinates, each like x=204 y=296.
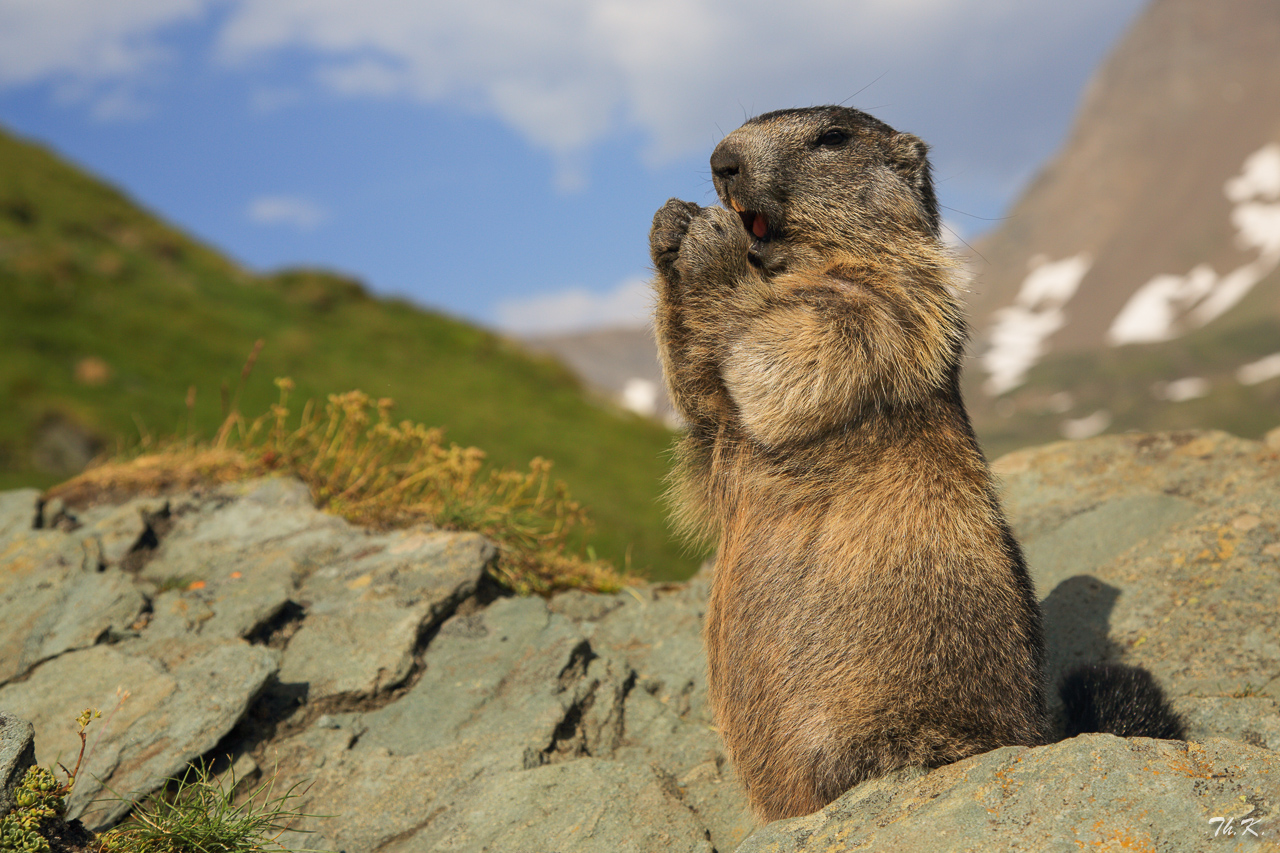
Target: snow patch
x=1170 y=305
x=1260 y=370
x=640 y=396
x=1152 y=312
x=1181 y=390
x=1260 y=177
x=1078 y=428
x=1020 y=330
x=1062 y=402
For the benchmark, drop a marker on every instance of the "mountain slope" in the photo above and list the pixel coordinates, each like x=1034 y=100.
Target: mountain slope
x=1147 y=253
x=110 y=316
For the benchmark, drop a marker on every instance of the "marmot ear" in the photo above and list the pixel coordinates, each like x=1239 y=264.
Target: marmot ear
x=909 y=156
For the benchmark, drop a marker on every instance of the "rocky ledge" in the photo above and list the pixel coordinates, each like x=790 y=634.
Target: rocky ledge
x=419 y=708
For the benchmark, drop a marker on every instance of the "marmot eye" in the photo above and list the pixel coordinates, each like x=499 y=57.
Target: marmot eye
x=833 y=137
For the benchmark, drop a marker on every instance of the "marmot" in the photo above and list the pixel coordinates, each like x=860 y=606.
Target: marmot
x=870 y=608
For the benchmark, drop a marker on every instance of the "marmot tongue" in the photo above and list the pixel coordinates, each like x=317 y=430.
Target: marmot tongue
x=759 y=226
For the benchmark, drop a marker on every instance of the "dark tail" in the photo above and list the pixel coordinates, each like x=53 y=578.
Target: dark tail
x=1119 y=700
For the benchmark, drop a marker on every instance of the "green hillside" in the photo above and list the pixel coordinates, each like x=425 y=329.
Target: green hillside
x=108 y=316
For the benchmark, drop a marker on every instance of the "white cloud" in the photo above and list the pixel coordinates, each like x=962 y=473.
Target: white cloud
x=567 y=74
x=120 y=104
x=629 y=304
x=91 y=42
x=955 y=235
x=362 y=77
x=270 y=99
x=298 y=213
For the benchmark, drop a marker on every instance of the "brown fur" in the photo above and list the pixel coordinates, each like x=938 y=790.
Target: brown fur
x=870 y=609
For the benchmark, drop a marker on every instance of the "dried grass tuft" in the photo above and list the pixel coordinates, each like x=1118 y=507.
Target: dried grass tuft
x=361 y=465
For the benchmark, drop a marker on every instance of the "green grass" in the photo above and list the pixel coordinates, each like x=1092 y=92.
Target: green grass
x=201 y=815
x=86 y=274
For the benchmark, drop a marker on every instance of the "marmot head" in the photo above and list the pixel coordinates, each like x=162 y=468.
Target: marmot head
x=809 y=182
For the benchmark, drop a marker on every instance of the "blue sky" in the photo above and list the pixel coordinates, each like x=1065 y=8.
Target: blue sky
x=501 y=160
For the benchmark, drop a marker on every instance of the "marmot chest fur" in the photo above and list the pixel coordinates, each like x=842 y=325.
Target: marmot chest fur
x=870 y=609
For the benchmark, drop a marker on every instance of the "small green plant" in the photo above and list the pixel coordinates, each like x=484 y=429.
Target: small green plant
x=40 y=798
x=201 y=816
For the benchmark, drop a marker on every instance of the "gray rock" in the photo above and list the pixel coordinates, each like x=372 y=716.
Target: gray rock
x=239 y=604
x=581 y=807
x=503 y=680
x=1046 y=486
x=363 y=797
x=1098 y=535
x=691 y=751
x=17 y=753
x=233 y=559
x=50 y=604
x=63 y=589
x=233 y=563
x=367 y=609
x=506 y=690
x=1165 y=550
x=267 y=525
x=1091 y=792
x=117 y=530
x=1197 y=608
x=1254 y=720
x=1200 y=610
x=658 y=631
x=585 y=606
x=17 y=513
x=155 y=722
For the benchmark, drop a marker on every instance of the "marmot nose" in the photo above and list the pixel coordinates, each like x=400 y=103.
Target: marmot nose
x=725 y=163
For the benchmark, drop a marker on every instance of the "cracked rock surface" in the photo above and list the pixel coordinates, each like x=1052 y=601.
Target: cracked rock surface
x=1093 y=792
x=178 y=618
x=418 y=709
x=510 y=689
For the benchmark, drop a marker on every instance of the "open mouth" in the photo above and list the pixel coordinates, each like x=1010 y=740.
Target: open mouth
x=755 y=222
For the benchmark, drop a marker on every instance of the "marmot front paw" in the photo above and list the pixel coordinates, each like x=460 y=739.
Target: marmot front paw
x=670 y=225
